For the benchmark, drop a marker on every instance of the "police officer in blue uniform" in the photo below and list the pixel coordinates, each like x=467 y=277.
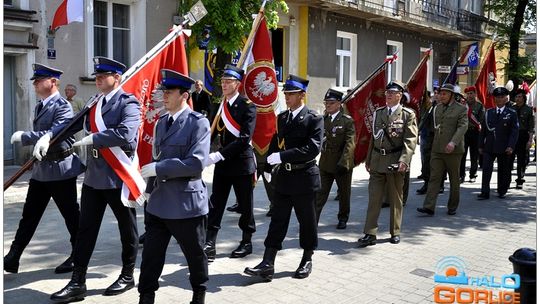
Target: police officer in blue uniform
x=54 y=176
x=121 y=115
x=178 y=203
x=296 y=179
x=235 y=164
x=498 y=138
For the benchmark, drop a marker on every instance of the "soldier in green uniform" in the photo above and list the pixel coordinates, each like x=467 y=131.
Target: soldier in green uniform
x=475 y=115
x=450 y=122
x=389 y=157
x=526 y=135
x=337 y=157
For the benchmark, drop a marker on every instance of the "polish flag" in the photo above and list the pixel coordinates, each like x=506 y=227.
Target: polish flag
x=69 y=11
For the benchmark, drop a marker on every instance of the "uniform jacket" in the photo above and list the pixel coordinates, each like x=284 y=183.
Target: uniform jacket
x=401 y=127
x=237 y=151
x=499 y=133
x=298 y=142
x=525 y=117
x=477 y=109
x=122 y=117
x=338 y=143
x=450 y=123
x=178 y=192
x=201 y=102
x=55 y=113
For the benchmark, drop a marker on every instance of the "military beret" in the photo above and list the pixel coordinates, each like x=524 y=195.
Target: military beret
x=470 y=89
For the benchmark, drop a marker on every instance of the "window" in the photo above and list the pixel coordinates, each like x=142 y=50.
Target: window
x=112 y=31
x=395 y=69
x=345 y=59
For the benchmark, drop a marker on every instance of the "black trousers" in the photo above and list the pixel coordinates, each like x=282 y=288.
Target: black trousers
x=504 y=172
x=243 y=189
x=189 y=233
x=93 y=204
x=64 y=194
x=304 y=208
x=471 y=144
x=267 y=186
x=522 y=154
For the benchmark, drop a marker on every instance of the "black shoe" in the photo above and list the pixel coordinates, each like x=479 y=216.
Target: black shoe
x=75 y=290
x=147 y=298
x=234 y=208
x=482 y=196
x=11 y=260
x=395 y=239
x=421 y=176
x=451 y=212
x=385 y=205
x=341 y=225
x=425 y=211
x=336 y=198
x=501 y=195
x=198 y=297
x=65 y=267
x=519 y=186
x=121 y=285
x=367 y=240
x=142 y=238
x=303 y=270
x=269 y=213
x=441 y=190
x=264 y=270
x=461 y=180
x=472 y=179
x=422 y=190
x=242 y=250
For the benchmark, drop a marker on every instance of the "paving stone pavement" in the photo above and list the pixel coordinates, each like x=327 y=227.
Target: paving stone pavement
x=483 y=233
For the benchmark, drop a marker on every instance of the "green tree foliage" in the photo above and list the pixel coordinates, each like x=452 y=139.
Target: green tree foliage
x=514 y=16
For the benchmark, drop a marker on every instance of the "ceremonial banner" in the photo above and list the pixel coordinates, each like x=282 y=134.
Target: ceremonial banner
x=487 y=79
x=68 y=11
x=417 y=84
x=361 y=106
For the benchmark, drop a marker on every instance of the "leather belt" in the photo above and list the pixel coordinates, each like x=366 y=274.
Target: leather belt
x=59 y=155
x=388 y=151
x=96 y=154
x=185 y=178
x=290 y=167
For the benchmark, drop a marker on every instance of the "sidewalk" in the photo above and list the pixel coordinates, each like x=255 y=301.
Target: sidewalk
x=483 y=234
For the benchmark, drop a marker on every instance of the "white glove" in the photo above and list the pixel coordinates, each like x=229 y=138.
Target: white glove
x=148 y=170
x=42 y=146
x=214 y=158
x=267 y=176
x=85 y=141
x=146 y=196
x=17 y=136
x=274 y=159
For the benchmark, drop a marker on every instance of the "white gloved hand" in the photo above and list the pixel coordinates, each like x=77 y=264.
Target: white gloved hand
x=42 y=146
x=213 y=158
x=146 y=196
x=85 y=141
x=274 y=159
x=267 y=176
x=17 y=136
x=148 y=170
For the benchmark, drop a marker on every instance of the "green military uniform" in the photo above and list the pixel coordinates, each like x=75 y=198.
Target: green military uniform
x=526 y=130
x=337 y=162
x=394 y=140
x=450 y=123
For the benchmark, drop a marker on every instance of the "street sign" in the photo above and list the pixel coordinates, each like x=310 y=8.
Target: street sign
x=51 y=54
x=444 y=69
x=463 y=70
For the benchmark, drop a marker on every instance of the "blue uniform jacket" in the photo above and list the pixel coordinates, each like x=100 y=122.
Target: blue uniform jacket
x=178 y=191
x=55 y=113
x=499 y=133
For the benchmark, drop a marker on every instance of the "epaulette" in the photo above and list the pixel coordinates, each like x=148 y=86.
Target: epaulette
x=511 y=109
x=312 y=112
x=248 y=101
x=283 y=113
x=196 y=114
x=381 y=108
x=163 y=115
x=409 y=110
x=347 y=116
x=62 y=101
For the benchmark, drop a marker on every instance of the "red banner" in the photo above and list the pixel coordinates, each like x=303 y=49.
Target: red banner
x=487 y=79
x=417 y=84
x=143 y=82
x=362 y=106
x=260 y=86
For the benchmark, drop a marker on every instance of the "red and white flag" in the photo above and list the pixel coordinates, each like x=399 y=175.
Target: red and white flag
x=417 y=84
x=68 y=11
x=361 y=107
x=487 y=79
x=261 y=87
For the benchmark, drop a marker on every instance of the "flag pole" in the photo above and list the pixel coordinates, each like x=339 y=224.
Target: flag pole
x=491 y=45
x=425 y=58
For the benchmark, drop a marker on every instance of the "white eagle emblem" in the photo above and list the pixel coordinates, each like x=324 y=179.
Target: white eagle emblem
x=263 y=86
x=154 y=107
x=491 y=82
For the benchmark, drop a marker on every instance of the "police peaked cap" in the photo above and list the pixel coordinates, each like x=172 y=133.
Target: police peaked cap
x=43 y=71
x=333 y=95
x=174 y=80
x=232 y=72
x=295 y=84
x=104 y=65
x=501 y=91
x=395 y=86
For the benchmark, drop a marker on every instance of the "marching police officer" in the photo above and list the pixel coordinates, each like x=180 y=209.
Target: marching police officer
x=475 y=114
x=526 y=135
x=389 y=157
x=337 y=157
x=54 y=176
x=178 y=201
x=498 y=139
x=235 y=164
x=120 y=119
x=295 y=177
x=450 y=124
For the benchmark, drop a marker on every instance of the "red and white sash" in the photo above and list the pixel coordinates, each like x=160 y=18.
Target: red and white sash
x=231 y=125
x=127 y=169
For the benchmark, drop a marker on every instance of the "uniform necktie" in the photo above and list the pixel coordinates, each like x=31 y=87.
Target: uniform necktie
x=40 y=107
x=104 y=102
x=169 y=122
x=389 y=111
x=290 y=118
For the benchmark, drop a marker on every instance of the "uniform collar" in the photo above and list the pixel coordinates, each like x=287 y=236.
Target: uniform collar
x=333 y=116
x=231 y=101
x=394 y=108
x=111 y=94
x=175 y=115
x=46 y=100
x=501 y=109
x=295 y=112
